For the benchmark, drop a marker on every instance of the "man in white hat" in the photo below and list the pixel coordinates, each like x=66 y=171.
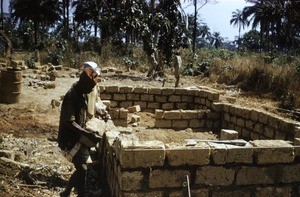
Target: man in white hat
x=94 y=104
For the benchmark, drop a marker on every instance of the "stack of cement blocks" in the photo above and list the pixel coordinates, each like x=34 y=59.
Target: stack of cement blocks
x=119 y=116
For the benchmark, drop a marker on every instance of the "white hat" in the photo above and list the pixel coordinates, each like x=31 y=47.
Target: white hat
x=93 y=65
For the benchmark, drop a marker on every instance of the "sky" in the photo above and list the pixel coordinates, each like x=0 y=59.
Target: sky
x=217 y=17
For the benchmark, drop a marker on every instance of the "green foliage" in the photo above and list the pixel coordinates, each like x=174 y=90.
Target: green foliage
x=92 y=44
x=288 y=101
x=130 y=63
x=223 y=54
x=56 y=55
x=250 y=41
x=30 y=62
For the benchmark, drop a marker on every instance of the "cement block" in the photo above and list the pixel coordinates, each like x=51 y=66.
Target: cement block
x=147 y=97
x=159 y=114
x=135 y=118
x=163 y=123
x=125 y=89
x=227 y=134
x=140 y=90
x=134 y=109
x=135 y=154
x=130 y=181
x=195 y=123
x=189 y=114
x=180 y=124
x=193 y=92
x=215 y=176
x=167 y=178
x=218 y=153
x=290 y=174
x=172 y=115
x=189 y=99
x=255 y=175
x=218 y=107
x=272 y=151
x=234 y=193
x=142 y=104
x=167 y=91
x=240 y=122
x=143 y=194
x=160 y=99
x=222 y=153
x=175 y=98
x=112 y=89
x=191 y=155
x=167 y=106
x=120 y=122
x=153 y=105
x=181 y=106
x=263 y=117
x=133 y=97
x=154 y=91
x=181 y=91
x=126 y=104
x=119 y=97
x=123 y=113
x=239 y=154
x=254 y=115
x=114 y=113
x=273 y=192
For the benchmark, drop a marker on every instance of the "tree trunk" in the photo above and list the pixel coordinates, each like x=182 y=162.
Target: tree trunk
x=36 y=29
x=195 y=26
x=2 y=16
x=67 y=22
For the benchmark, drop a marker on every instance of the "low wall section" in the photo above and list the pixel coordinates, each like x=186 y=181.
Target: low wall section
x=261 y=168
x=267 y=166
x=174 y=108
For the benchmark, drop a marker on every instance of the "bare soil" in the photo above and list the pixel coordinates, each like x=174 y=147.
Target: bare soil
x=29 y=127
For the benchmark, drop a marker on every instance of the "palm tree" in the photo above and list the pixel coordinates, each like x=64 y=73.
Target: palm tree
x=41 y=12
x=239 y=20
x=216 y=40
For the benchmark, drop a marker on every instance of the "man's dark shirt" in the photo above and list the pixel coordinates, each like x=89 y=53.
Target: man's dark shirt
x=73 y=109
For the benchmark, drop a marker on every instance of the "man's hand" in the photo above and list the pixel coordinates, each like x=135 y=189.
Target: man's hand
x=95 y=138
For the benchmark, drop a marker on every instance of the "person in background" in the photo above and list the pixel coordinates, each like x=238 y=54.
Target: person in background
x=73 y=140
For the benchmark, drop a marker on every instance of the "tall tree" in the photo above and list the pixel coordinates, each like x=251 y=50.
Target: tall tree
x=198 y=4
x=2 y=15
x=41 y=12
x=277 y=20
x=239 y=20
x=216 y=40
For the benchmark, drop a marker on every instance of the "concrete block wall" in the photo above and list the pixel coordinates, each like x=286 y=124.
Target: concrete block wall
x=181 y=119
x=155 y=169
x=266 y=166
x=256 y=124
x=173 y=109
x=150 y=99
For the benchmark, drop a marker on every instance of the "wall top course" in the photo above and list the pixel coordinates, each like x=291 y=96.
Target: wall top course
x=126 y=89
x=271 y=143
